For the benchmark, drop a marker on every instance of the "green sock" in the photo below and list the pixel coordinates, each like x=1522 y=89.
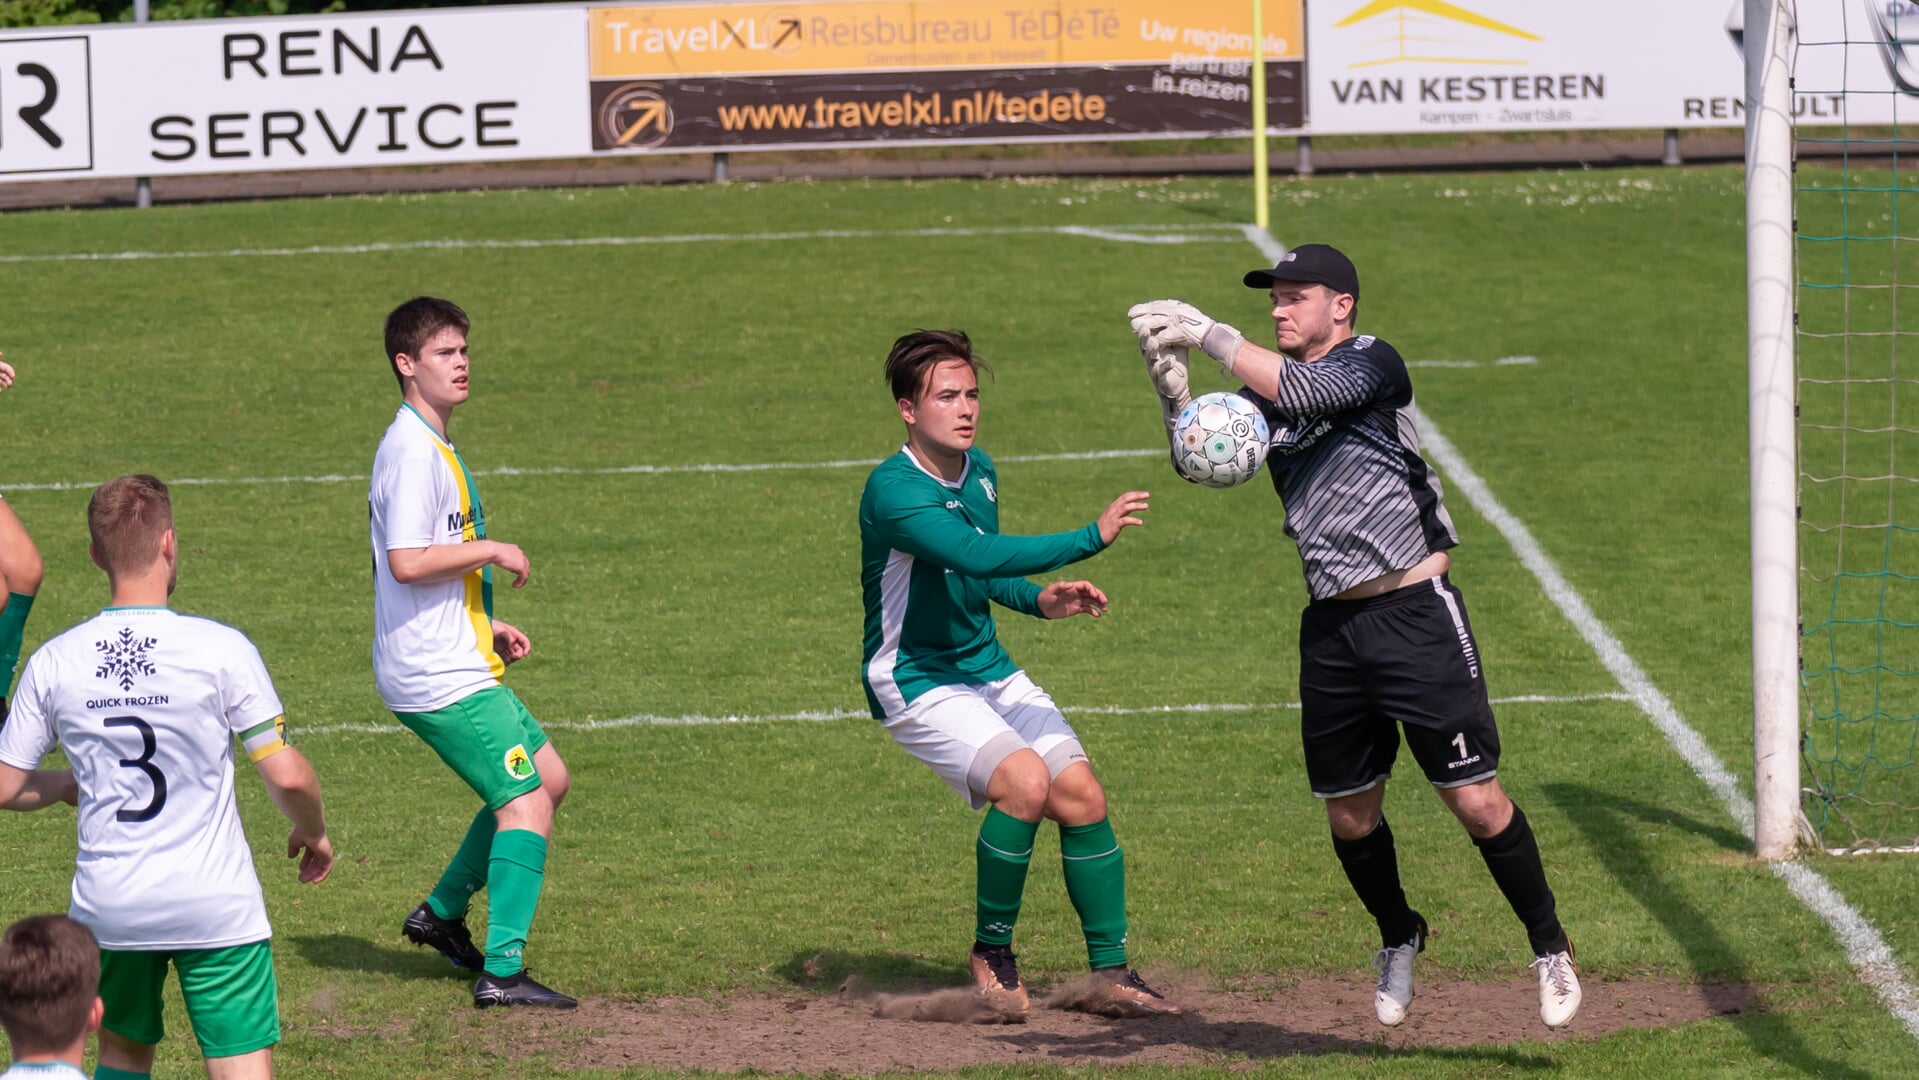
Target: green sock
x=1096 y=881
x=513 y=878
x=108 y=1072
x=13 y=628
x=1005 y=847
x=466 y=874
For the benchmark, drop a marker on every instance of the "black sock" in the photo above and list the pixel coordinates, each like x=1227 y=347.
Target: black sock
x=1372 y=866
x=1513 y=858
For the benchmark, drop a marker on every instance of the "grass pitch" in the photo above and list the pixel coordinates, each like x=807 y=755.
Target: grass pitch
x=706 y=859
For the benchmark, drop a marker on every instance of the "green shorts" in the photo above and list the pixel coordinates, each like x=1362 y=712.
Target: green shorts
x=233 y=1000
x=489 y=739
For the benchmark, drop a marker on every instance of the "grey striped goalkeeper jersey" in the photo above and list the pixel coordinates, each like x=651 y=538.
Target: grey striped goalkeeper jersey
x=1360 y=501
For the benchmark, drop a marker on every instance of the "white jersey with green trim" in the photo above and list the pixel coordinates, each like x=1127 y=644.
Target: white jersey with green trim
x=432 y=642
x=146 y=703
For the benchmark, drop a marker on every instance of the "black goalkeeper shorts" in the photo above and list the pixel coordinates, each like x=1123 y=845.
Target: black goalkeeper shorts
x=1368 y=666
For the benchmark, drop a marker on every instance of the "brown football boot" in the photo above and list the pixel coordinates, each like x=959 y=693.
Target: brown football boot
x=1120 y=992
x=996 y=981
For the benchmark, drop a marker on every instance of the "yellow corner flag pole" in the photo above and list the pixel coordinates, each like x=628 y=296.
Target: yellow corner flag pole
x=1260 y=214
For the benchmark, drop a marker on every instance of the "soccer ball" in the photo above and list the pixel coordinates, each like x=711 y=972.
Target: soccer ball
x=1219 y=440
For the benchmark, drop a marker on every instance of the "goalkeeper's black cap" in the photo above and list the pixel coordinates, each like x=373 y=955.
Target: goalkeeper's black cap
x=1317 y=264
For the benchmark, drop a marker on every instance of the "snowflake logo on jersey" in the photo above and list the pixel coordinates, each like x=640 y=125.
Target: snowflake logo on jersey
x=991 y=495
x=124 y=658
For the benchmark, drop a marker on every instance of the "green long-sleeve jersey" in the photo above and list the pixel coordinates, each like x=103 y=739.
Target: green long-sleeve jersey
x=932 y=562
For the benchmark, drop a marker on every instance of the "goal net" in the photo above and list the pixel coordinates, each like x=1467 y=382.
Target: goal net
x=1855 y=229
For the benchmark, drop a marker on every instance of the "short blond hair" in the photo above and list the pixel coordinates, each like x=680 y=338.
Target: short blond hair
x=126 y=519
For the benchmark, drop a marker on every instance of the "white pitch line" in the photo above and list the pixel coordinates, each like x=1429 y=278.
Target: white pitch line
x=1504 y=361
x=562 y=470
x=1865 y=947
x=1264 y=241
x=1135 y=234
x=816 y=715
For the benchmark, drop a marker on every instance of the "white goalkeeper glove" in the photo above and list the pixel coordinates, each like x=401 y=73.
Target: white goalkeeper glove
x=1162 y=323
x=1166 y=366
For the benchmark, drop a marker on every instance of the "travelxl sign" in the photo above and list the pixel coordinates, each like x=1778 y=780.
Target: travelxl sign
x=843 y=72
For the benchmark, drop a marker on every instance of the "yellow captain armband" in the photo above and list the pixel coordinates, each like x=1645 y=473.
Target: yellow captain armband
x=264 y=740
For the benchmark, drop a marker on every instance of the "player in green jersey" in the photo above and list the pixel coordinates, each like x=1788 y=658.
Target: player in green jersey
x=933 y=563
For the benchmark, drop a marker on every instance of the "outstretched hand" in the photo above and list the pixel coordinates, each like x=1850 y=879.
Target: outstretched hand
x=6 y=374
x=1119 y=515
x=1167 y=368
x=1164 y=324
x=1065 y=599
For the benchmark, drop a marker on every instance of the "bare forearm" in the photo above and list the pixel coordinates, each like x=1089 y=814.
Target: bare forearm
x=295 y=789
x=42 y=788
x=441 y=562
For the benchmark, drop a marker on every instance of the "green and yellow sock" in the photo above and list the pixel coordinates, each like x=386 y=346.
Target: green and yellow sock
x=1095 y=869
x=467 y=873
x=514 y=875
x=1005 y=848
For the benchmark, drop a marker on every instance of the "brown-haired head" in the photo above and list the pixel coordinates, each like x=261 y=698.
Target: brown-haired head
x=128 y=519
x=411 y=325
x=49 y=983
x=915 y=355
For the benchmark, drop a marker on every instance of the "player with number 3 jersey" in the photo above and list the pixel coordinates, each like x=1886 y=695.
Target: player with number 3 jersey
x=147 y=704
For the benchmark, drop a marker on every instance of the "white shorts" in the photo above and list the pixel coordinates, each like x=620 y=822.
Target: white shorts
x=964 y=732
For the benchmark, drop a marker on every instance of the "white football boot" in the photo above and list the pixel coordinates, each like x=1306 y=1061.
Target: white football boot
x=1558 y=988
x=1395 y=992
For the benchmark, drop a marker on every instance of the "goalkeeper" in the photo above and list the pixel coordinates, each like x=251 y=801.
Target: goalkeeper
x=932 y=561
x=1385 y=642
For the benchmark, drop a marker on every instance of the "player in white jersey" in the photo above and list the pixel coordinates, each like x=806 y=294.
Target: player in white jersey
x=439 y=654
x=147 y=703
x=20 y=573
x=49 y=996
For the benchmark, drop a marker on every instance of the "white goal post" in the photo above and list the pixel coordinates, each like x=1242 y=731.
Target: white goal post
x=1772 y=433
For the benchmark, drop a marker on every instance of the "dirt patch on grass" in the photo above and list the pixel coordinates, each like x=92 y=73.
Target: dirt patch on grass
x=845 y=1033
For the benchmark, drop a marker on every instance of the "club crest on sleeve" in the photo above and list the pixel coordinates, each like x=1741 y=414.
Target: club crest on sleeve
x=987 y=485
x=518 y=765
